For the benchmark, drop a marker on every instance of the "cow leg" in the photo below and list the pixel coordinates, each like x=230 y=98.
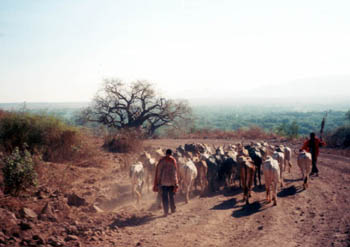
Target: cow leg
x=132 y=189
x=267 y=193
x=281 y=176
x=250 y=182
x=247 y=196
x=306 y=181
x=255 y=175
x=187 y=193
x=267 y=186
x=289 y=166
x=274 y=192
x=138 y=197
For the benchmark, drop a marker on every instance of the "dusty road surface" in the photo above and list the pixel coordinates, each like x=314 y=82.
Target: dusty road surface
x=318 y=216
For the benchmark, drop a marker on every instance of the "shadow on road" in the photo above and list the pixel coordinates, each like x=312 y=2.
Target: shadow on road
x=232 y=191
x=259 y=189
x=228 y=204
x=132 y=221
x=290 y=191
x=288 y=180
x=248 y=210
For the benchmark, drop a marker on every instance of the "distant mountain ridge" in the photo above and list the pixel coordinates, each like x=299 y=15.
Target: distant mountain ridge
x=43 y=105
x=329 y=87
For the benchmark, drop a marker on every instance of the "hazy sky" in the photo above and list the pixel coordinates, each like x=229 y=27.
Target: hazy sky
x=60 y=50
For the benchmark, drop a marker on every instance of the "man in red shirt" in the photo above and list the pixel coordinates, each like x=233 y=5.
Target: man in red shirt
x=313 y=146
x=167 y=178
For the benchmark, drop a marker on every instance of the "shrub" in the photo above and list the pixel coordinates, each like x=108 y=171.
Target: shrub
x=45 y=135
x=124 y=141
x=18 y=172
x=339 y=138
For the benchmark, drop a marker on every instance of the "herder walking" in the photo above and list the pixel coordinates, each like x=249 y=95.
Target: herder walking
x=313 y=146
x=166 y=178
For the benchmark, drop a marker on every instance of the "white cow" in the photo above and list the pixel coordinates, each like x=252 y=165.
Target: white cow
x=149 y=164
x=287 y=156
x=305 y=164
x=272 y=177
x=279 y=156
x=136 y=174
x=188 y=174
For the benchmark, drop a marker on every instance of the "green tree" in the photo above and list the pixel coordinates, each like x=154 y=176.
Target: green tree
x=293 y=130
x=282 y=129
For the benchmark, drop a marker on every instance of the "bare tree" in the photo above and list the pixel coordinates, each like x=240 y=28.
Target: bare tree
x=134 y=105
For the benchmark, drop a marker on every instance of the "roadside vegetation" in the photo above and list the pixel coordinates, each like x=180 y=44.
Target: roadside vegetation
x=27 y=139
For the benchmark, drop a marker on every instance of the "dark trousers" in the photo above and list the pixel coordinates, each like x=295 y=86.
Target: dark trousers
x=168 y=194
x=314 y=161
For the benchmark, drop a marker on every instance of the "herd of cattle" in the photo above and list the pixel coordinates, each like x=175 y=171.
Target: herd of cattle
x=208 y=168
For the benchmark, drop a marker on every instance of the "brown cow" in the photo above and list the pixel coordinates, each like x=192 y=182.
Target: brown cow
x=247 y=170
x=202 y=169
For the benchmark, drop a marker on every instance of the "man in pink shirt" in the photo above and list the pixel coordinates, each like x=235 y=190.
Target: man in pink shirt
x=167 y=179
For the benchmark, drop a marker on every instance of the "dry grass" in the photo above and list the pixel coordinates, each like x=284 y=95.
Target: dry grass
x=126 y=141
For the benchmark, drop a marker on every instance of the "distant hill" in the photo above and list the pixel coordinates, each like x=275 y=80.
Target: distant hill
x=43 y=105
x=313 y=94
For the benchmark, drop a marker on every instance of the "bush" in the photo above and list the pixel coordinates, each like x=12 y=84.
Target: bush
x=125 y=141
x=45 y=135
x=18 y=172
x=339 y=138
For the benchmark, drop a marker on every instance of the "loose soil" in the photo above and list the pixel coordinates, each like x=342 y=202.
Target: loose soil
x=318 y=216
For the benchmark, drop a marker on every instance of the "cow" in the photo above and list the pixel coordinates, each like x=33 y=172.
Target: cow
x=202 y=169
x=228 y=170
x=305 y=164
x=136 y=174
x=212 y=174
x=149 y=164
x=272 y=176
x=257 y=157
x=279 y=156
x=287 y=156
x=247 y=171
x=188 y=173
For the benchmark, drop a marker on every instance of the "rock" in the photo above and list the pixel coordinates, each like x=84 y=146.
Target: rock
x=28 y=213
x=39 y=240
x=47 y=213
x=2 y=238
x=92 y=209
x=72 y=230
x=55 y=241
x=8 y=217
x=93 y=239
x=71 y=238
x=74 y=200
x=9 y=224
x=25 y=226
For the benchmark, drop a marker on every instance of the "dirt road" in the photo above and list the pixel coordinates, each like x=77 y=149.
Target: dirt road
x=318 y=216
